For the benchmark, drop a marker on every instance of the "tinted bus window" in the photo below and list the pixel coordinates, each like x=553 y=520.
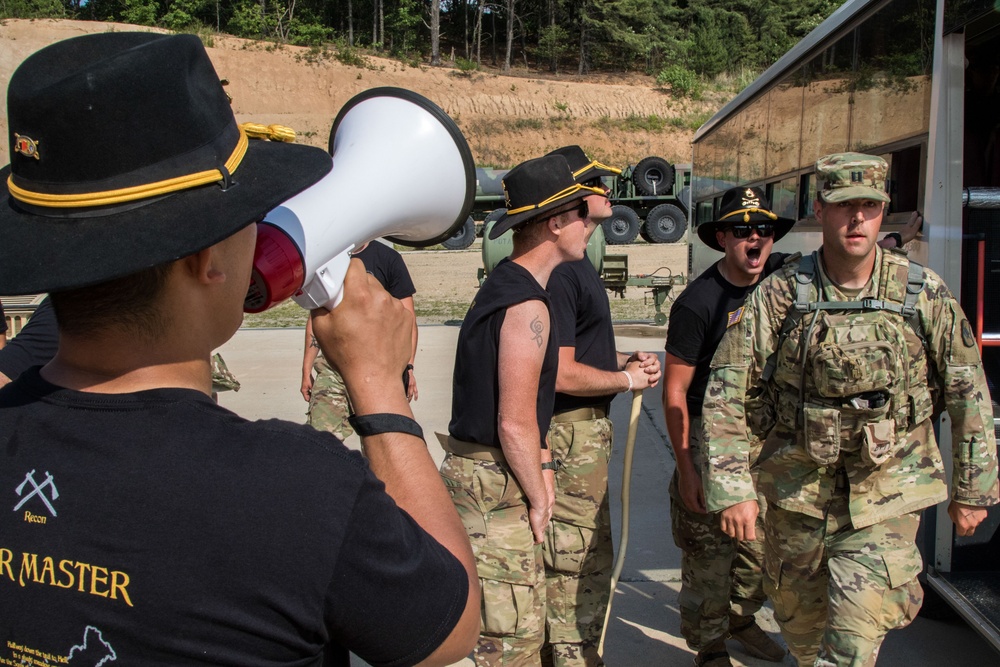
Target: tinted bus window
x=826 y=107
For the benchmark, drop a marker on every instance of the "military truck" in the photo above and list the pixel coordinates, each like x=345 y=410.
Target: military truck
x=649 y=199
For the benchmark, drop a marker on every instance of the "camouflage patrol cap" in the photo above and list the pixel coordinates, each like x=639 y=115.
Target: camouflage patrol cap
x=844 y=176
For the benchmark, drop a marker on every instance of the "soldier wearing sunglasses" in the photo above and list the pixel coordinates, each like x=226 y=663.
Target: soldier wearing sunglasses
x=721 y=587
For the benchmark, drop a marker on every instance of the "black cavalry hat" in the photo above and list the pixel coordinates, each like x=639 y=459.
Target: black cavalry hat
x=125 y=154
x=536 y=187
x=583 y=168
x=743 y=206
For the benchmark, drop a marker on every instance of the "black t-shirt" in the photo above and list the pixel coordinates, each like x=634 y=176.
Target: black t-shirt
x=475 y=395
x=699 y=318
x=3 y=320
x=581 y=310
x=388 y=268
x=162 y=529
x=34 y=345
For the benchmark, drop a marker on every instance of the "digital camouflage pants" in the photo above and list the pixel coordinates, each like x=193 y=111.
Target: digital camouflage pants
x=493 y=510
x=329 y=405
x=837 y=590
x=718 y=574
x=579 y=553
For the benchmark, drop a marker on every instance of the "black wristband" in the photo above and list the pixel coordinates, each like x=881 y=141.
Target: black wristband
x=897 y=236
x=550 y=465
x=385 y=422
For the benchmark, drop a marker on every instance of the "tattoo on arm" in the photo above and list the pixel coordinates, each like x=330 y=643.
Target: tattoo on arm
x=537 y=328
x=314 y=342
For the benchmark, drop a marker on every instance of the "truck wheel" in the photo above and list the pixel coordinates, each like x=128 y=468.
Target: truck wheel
x=463 y=238
x=622 y=227
x=653 y=176
x=666 y=224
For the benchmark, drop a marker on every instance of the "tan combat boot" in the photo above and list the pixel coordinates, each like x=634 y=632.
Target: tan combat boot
x=755 y=641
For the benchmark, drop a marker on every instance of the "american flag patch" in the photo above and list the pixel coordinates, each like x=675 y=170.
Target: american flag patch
x=735 y=316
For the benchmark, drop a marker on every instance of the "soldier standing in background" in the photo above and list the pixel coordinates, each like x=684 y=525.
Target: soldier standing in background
x=329 y=404
x=498 y=467
x=721 y=579
x=836 y=364
x=579 y=553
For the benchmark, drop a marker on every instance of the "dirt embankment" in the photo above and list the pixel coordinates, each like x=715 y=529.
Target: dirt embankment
x=506 y=119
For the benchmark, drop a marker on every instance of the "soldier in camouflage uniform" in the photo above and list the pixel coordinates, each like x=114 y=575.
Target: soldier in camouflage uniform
x=843 y=392
x=498 y=465
x=721 y=579
x=329 y=403
x=579 y=552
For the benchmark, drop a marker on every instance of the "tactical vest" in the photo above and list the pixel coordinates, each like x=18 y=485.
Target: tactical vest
x=847 y=376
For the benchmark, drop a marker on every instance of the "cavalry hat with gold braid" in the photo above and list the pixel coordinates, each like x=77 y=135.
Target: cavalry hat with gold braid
x=125 y=154
x=743 y=206
x=536 y=187
x=583 y=168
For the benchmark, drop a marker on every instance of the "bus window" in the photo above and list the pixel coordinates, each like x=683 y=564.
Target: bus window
x=782 y=198
x=784 y=132
x=826 y=107
x=904 y=179
x=807 y=193
x=891 y=81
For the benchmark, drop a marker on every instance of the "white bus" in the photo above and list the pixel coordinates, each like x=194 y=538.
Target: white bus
x=915 y=81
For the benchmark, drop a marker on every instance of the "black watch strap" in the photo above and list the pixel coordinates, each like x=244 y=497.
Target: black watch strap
x=385 y=422
x=550 y=465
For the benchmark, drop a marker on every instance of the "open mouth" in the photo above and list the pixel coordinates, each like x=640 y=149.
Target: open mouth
x=753 y=256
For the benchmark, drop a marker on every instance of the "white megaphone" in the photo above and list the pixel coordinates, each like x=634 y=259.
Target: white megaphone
x=402 y=170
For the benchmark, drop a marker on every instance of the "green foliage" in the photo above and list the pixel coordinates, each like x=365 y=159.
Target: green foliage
x=682 y=81
x=307 y=34
x=31 y=9
x=182 y=14
x=664 y=38
x=464 y=66
x=140 y=12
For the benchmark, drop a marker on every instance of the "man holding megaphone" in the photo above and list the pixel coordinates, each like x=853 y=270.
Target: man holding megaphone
x=152 y=526
x=498 y=466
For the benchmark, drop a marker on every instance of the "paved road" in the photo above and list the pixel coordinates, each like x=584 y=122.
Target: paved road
x=644 y=630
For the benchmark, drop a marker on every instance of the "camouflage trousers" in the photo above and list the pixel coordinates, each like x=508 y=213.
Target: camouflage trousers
x=838 y=590
x=579 y=553
x=718 y=574
x=494 y=511
x=329 y=405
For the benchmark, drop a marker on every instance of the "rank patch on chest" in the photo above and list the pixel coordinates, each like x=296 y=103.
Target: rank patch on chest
x=735 y=316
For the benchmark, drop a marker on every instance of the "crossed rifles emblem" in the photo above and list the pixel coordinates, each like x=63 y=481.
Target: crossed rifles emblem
x=37 y=490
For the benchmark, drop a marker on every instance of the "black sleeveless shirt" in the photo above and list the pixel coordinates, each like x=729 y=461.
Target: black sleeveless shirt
x=475 y=395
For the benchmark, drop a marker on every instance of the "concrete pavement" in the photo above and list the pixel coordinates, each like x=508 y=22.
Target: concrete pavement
x=645 y=622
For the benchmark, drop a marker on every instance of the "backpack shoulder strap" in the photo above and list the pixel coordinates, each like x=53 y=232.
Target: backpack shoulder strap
x=805 y=275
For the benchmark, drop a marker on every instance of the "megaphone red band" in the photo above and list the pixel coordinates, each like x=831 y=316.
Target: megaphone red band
x=278 y=269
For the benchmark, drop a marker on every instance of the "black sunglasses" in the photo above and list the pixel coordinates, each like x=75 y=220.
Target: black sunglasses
x=595 y=182
x=581 y=209
x=764 y=231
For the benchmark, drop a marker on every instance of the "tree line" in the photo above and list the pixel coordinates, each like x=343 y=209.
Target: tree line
x=703 y=38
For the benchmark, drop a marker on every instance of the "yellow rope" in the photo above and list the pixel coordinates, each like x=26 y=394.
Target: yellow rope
x=597 y=164
x=133 y=193
x=563 y=194
x=746 y=214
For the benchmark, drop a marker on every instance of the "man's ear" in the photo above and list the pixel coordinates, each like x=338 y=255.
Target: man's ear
x=818 y=209
x=202 y=266
x=720 y=238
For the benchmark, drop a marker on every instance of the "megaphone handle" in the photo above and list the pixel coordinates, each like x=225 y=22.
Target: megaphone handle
x=326 y=288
